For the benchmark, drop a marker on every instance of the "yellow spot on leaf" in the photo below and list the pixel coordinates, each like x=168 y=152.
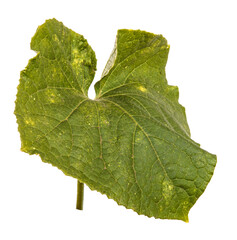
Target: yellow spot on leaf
x=55 y=38
x=53 y=96
x=29 y=121
x=167 y=189
x=75 y=51
x=141 y=88
x=77 y=61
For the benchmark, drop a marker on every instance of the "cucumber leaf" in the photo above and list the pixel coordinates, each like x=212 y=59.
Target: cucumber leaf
x=132 y=142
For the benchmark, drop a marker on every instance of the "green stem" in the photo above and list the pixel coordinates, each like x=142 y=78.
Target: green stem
x=80 y=195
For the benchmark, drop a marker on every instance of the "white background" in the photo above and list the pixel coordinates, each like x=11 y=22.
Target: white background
x=37 y=201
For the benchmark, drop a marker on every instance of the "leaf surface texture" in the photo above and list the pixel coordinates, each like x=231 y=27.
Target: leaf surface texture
x=132 y=142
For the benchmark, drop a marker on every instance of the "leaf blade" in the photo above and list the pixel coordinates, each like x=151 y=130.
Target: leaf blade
x=132 y=142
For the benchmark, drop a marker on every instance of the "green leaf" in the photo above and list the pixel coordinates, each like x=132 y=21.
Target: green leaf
x=132 y=142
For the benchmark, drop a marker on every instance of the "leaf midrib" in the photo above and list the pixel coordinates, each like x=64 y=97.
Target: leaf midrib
x=163 y=125
x=110 y=73
x=64 y=120
x=144 y=132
